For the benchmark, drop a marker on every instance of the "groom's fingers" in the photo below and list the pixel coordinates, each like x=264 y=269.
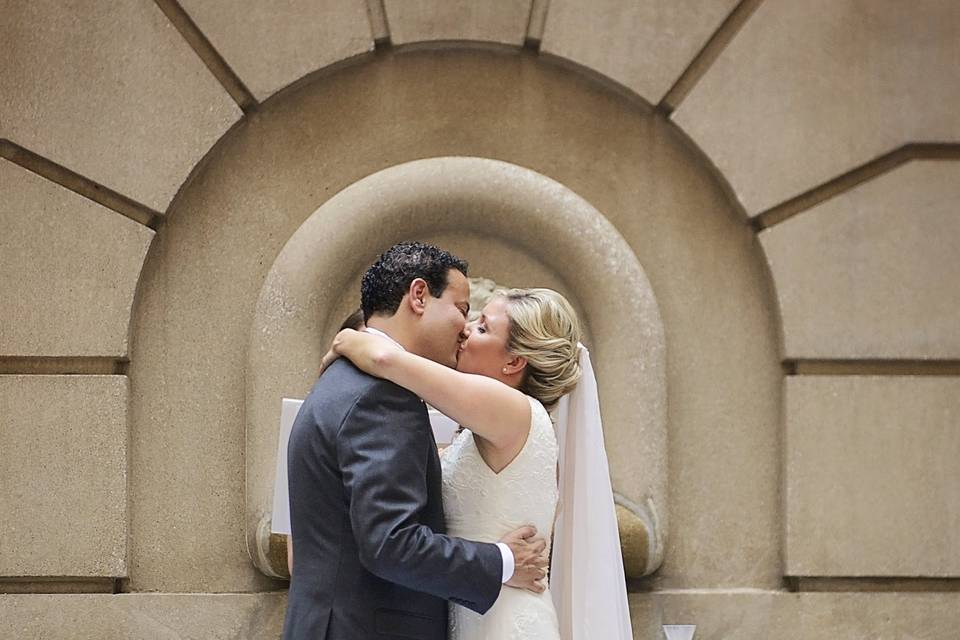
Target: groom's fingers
x=520 y=535
x=529 y=578
x=539 y=586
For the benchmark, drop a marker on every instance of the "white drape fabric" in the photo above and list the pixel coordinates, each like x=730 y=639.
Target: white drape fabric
x=586 y=576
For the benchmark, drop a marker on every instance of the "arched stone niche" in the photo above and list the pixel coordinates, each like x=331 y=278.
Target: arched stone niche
x=543 y=234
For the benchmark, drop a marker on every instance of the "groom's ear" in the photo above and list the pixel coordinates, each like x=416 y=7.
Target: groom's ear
x=416 y=295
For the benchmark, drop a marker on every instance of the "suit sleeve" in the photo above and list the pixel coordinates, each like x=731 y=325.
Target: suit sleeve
x=383 y=446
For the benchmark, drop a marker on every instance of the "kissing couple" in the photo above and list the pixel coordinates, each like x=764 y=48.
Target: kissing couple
x=510 y=533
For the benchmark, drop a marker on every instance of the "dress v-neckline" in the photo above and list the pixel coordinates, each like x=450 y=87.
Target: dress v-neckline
x=483 y=460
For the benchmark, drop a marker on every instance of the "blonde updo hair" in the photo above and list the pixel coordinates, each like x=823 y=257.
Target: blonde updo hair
x=545 y=330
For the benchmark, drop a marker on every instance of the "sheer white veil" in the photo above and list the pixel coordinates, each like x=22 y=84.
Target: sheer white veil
x=586 y=576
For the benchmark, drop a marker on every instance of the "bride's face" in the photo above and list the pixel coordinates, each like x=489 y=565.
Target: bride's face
x=484 y=351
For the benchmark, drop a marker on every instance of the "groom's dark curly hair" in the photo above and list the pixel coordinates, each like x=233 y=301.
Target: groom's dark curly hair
x=388 y=279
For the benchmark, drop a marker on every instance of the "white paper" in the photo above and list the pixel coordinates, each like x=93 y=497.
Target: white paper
x=444 y=430
x=280 y=522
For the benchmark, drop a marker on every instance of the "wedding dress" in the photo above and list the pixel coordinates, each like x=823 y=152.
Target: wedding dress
x=484 y=506
x=587 y=596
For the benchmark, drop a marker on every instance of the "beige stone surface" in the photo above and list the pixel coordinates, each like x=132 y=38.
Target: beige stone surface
x=719 y=615
x=147 y=616
x=64 y=473
x=873 y=272
x=642 y=45
x=494 y=21
x=758 y=615
x=271 y=43
x=809 y=90
x=202 y=279
x=872 y=480
x=69 y=270
x=111 y=91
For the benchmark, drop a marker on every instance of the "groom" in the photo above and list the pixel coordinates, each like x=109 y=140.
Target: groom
x=371 y=559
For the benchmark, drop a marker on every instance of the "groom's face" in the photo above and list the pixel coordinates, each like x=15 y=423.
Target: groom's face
x=444 y=319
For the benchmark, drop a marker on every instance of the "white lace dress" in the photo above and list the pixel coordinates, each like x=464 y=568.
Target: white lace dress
x=482 y=505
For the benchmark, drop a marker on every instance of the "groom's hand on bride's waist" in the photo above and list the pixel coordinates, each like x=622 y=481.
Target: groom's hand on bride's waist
x=529 y=559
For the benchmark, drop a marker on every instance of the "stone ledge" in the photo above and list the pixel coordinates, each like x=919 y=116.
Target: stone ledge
x=124 y=616
x=747 y=614
x=744 y=614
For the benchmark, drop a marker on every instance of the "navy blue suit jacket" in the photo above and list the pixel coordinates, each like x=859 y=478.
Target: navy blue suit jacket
x=370 y=556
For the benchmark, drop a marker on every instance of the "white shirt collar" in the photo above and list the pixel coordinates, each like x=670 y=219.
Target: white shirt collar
x=381 y=333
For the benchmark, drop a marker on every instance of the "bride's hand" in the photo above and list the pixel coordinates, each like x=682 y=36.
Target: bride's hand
x=366 y=350
x=335 y=349
x=327 y=360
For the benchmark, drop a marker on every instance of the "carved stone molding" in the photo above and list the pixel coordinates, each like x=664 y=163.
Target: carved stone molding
x=538 y=216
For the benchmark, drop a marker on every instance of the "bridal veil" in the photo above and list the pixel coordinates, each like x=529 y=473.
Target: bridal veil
x=587 y=580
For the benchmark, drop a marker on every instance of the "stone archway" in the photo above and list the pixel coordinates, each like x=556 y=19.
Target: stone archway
x=545 y=222
x=198 y=294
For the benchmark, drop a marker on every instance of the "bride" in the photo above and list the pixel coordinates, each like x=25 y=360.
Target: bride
x=511 y=466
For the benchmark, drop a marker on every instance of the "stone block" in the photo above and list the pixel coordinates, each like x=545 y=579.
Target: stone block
x=418 y=20
x=872 y=480
x=269 y=44
x=111 y=91
x=69 y=270
x=873 y=272
x=64 y=473
x=809 y=90
x=645 y=46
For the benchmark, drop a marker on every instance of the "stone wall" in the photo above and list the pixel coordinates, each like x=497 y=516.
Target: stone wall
x=784 y=173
